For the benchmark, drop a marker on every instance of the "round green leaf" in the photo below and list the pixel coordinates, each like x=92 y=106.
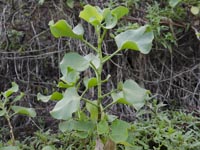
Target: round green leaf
x=102 y=127
x=120 y=11
x=134 y=94
x=195 y=10
x=119 y=131
x=74 y=61
x=92 y=15
x=63 y=29
x=139 y=39
x=24 y=111
x=67 y=105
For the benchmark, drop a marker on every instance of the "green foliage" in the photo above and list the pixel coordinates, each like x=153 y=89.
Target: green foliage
x=139 y=39
x=9 y=108
x=68 y=107
x=165 y=130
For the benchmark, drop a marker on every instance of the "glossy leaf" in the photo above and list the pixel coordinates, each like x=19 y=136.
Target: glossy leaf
x=74 y=61
x=54 y=96
x=73 y=125
x=63 y=29
x=93 y=110
x=12 y=90
x=120 y=11
x=102 y=127
x=134 y=94
x=119 y=131
x=139 y=39
x=90 y=82
x=92 y=15
x=67 y=105
x=24 y=111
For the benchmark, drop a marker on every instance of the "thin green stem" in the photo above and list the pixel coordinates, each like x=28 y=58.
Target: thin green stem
x=11 y=129
x=110 y=56
x=85 y=99
x=109 y=93
x=90 y=45
x=89 y=101
x=99 y=70
x=109 y=105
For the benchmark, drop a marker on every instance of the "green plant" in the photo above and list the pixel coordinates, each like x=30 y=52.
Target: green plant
x=164 y=130
x=104 y=127
x=9 y=107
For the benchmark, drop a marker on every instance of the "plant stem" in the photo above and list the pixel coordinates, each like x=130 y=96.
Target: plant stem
x=11 y=129
x=99 y=70
x=90 y=45
x=113 y=54
x=108 y=106
x=89 y=101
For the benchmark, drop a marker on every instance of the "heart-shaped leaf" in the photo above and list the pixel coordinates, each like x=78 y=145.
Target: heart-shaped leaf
x=74 y=61
x=24 y=111
x=119 y=131
x=92 y=15
x=63 y=29
x=139 y=39
x=67 y=105
x=120 y=11
x=134 y=94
